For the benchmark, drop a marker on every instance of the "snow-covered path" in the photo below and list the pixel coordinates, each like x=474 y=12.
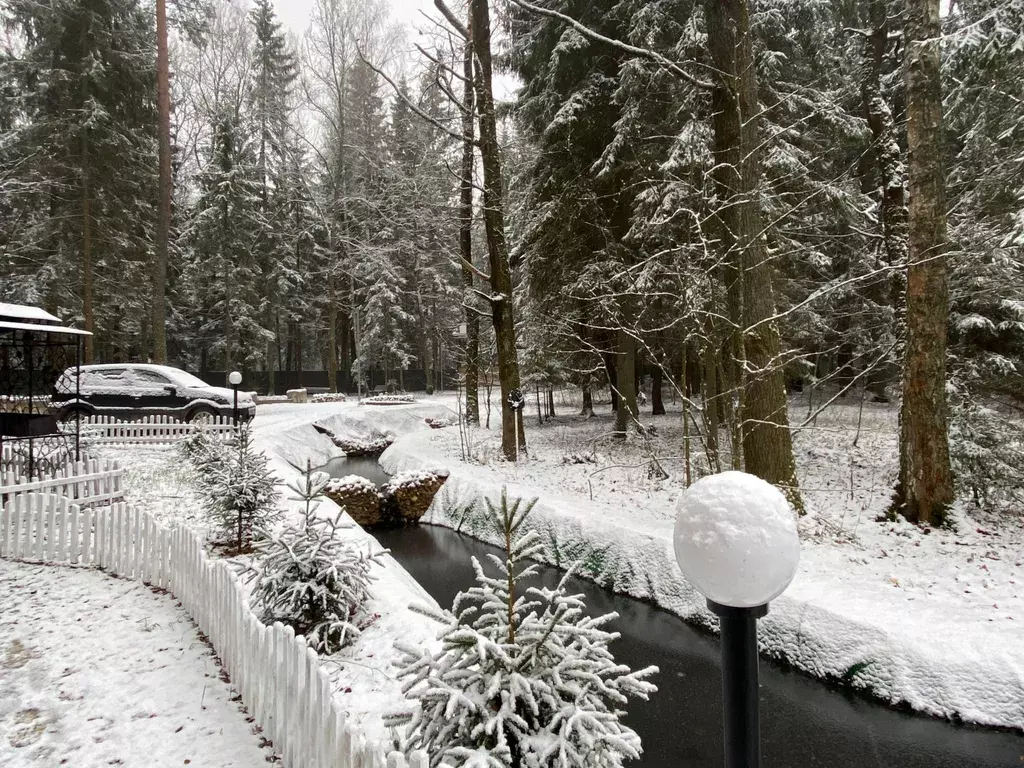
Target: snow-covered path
x=97 y=671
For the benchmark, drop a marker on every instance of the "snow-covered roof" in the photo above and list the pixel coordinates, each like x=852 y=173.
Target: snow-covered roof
x=25 y=312
x=62 y=329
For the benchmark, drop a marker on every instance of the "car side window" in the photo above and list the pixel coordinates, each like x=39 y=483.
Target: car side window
x=150 y=378
x=107 y=378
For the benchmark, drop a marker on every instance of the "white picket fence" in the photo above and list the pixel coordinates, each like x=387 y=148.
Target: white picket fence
x=89 y=483
x=102 y=430
x=278 y=676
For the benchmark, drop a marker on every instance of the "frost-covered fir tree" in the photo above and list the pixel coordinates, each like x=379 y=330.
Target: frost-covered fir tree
x=309 y=490
x=521 y=679
x=241 y=493
x=310 y=579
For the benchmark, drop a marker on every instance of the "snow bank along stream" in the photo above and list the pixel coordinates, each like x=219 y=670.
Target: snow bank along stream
x=806 y=724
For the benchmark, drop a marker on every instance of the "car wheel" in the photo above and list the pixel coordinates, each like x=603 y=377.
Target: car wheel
x=202 y=415
x=72 y=413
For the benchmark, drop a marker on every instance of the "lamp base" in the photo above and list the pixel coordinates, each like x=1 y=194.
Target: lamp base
x=730 y=611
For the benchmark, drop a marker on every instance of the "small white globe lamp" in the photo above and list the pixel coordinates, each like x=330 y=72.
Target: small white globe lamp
x=736 y=542
x=234 y=379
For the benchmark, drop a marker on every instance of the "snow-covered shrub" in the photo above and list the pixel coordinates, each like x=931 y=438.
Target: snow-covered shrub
x=384 y=399
x=329 y=397
x=313 y=581
x=240 y=492
x=521 y=680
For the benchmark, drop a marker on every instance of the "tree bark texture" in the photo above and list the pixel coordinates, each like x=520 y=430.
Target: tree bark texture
x=925 y=487
x=332 y=335
x=502 y=310
x=163 y=222
x=767 y=443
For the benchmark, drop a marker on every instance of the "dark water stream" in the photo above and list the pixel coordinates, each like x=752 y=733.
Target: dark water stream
x=804 y=722
x=365 y=466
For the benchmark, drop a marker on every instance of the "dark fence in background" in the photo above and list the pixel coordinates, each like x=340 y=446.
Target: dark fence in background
x=259 y=381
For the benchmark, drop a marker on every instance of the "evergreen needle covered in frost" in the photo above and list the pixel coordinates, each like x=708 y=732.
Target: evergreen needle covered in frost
x=313 y=581
x=521 y=680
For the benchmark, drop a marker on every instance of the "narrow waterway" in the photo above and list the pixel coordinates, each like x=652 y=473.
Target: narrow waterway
x=804 y=722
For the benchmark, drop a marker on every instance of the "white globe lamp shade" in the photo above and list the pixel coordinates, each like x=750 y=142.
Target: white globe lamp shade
x=736 y=540
x=235 y=378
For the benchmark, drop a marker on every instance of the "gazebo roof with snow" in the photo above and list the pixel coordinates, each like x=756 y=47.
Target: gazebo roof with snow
x=21 y=317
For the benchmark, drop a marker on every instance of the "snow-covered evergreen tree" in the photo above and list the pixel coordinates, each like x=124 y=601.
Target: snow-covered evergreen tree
x=241 y=493
x=523 y=679
x=310 y=579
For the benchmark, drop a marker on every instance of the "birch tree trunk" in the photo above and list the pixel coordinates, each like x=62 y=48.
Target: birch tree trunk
x=925 y=487
x=767 y=443
x=502 y=309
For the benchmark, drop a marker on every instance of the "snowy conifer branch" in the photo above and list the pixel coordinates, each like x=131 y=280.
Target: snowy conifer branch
x=590 y=34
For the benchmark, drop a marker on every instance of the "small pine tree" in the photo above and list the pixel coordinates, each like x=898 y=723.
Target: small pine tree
x=314 y=582
x=240 y=492
x=519 y=680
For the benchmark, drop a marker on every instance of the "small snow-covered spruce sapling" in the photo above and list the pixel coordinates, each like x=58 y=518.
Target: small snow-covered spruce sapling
x=521 y=680
x=309 y=490
x=313 y=581
x=241 y=493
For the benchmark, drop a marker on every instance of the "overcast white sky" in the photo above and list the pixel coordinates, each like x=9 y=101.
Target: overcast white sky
x=295 y=15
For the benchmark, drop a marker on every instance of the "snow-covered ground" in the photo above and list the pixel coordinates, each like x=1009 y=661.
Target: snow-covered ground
x=99 y=671
x=930 y=618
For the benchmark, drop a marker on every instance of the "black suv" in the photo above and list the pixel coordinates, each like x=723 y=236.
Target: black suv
x=132 y=390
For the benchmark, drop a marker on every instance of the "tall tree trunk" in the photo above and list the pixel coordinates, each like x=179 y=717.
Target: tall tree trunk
x=890 y=183
x=925 y=487
x=88 y=315
x=466 y=244
x=767 y=443
x=588 y=403
x=332 y=336
x=625 y=368
x=163 y=222
x=551 y=403
x=502 y=308
x=657 y=404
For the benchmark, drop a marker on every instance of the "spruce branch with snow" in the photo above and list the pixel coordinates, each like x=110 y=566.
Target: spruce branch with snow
x=313 y=581
x=521 y=679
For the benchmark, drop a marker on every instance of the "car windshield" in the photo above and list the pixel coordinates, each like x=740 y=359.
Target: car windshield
x=185 y=379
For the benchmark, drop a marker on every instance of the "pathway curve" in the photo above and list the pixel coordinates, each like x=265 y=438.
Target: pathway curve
x=98 y=671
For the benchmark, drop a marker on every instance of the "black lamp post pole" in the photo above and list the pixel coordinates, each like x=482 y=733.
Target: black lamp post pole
x=234 y=410
x=742 y=730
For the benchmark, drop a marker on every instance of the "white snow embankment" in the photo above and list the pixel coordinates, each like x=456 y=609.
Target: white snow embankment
x=100 y=671
x=914 y=643
x=363 y=674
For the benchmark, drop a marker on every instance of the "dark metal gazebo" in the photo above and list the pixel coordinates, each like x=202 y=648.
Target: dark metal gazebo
x=35 y=349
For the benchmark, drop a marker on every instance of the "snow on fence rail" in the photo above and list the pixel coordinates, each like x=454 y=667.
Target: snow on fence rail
x=89 y=483
x=149 y=429
x=278 y=676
